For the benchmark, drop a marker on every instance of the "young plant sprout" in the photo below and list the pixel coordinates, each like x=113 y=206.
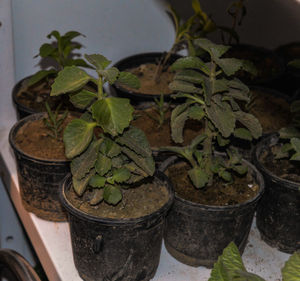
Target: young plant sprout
x=54 y=121
x=59 y=53
x=213 y=97
x=114 y=156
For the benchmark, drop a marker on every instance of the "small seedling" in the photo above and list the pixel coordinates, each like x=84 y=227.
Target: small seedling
x=54 y=122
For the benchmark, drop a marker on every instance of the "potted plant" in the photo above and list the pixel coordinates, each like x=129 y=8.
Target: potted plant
x=153 y=68
x=37 y=143
x=116 y=203
x=207 y=210
x=230 y=267
x=30 y=94
x=278 y=214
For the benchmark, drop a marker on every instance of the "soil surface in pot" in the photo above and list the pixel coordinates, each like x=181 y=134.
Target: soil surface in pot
x=34 y=139
x=146 y=74
x=219 y=194
x=272 y=111
x=137 y=201
x=35 y=97
x=283 y=168
x=161 y=135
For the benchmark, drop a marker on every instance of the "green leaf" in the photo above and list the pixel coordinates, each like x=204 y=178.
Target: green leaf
x=70 y=79
x=103 y=164
x=112 y=114
x=54 y=33
x=291 y=269
x=296 y=144
x=121 y=175
x=227 y=265
x=80 y=185
x=246 y=276
x=145 y=163
x=190 y=62
x=97 y=181
x=198 y=177
x=196 y=112
x=250 y=122
x=242 y=133
x=110 y=148
x=46 y=50
x=129 y=79
x=230 y=65
x=289 y=132
x=82 y=164
x=97 y=196
x=77 y=136
x=99 y=61
x=215 y=51
x=185 y=87
x=241 y=169
x=136 y=140
x=112 y=194
x=177 y=124
x=222 y=117
x=110 y=75
x=189 y=75
x=225 y=175
x=40 y=75
x=83 y=99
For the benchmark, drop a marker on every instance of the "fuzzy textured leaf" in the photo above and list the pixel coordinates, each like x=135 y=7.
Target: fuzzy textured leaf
x=185 y=87
x=243 y=133
x=110 y=75
x=121 y=175
x=70 y=79
x=103 y=164
x=291 y=269
x=129 y=79
x=80 y=185
x=198 y=177
x=112 y=194
x=83 y=99
x=40 y=75
x=230 y=65
x=97 y=181
x=189 y=75
x=190 y=62
x=112 y=114
x=216 y=51
x=77 y=136
x=82 y=164
x=99 y=61
x=250 y=122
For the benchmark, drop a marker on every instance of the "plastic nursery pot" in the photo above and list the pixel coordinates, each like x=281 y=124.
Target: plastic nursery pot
x=135 y=61
x=39 y=179
x=116 y=249
x=278 y=213
x=196 y=234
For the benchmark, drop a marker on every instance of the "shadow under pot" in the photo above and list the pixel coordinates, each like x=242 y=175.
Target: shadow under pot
x=114 y=248
x=278 y=213
x=39 y=178
x=196 y=234
x=144 y=66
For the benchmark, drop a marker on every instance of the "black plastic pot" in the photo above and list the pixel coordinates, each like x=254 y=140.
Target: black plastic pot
x=278 y=213
x=134 y=61
x=39 y=179
x=196 y=234
x=116 y=249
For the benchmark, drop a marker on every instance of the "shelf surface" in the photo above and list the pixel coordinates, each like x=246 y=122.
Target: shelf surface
x=53 y=246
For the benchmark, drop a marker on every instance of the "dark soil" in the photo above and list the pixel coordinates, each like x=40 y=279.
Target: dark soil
x=137 y=202
x=161 y=136
x=283 y=168
x=272 y=112
x=146 y=74
x=219 y=194
x=34 y=139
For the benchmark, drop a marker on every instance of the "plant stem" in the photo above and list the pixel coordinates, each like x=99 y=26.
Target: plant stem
x=100 y=88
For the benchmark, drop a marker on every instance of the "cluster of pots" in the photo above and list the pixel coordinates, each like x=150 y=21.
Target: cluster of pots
x=193 y=233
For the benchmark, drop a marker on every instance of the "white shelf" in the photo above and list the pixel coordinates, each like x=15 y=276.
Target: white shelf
x=53 y=246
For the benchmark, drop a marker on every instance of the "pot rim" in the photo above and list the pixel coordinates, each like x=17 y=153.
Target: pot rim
x=173 y=159
x=255 y=156
x=11 y=138
x=119 y=222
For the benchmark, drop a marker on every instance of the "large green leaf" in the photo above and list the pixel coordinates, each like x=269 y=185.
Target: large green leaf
x=227 y=265
x=177 y=124
x=112 y=194
x=77 y=136
x=190 y=62
x=222 y=117
x=46 y=50
x=81 y=185
x=83 y=163
x=136 y=140
x=243 y=133
x=215 y=51
x=121 y=175
x=189 y=75
x=250 y=122
x=129 y=79
x=230 y=65
x=70 y=79
x=99 y=61
x=97 y=181
x=110 y=74
x=112 y=114
x=198 y=177
x=103 y=164
x=83 y=99
x=246 y=276
x=40 y=75
x=291 y=269
x=185 y=87
x=110 y=148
